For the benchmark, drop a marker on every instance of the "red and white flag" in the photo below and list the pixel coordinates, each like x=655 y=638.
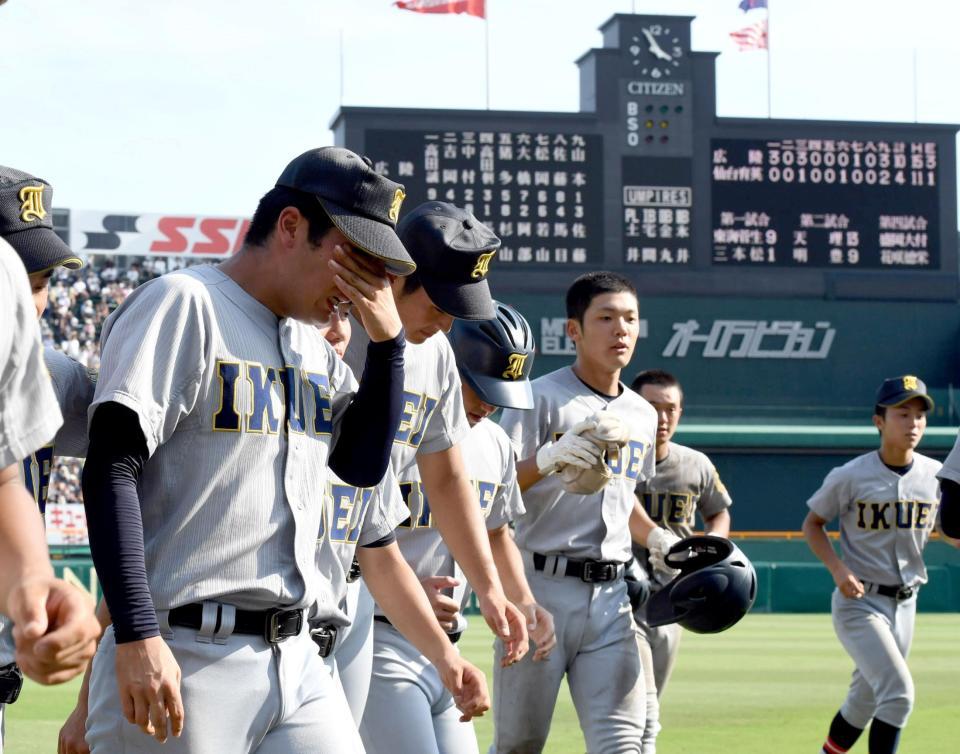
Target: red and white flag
x=753 y=37
x=470 y=7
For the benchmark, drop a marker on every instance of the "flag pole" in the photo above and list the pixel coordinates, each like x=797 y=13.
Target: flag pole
x=341 y=66
x=486 y=47
x=916 y=116
x=769 y=86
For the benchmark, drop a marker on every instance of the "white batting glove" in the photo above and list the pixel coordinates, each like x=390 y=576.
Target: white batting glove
x=570 y=449
x=659 y=542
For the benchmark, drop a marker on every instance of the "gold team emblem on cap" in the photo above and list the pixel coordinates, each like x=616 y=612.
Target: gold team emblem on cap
x=515 y=362
x=394 y=212
x=482 y=266
x=909 y=382
x=32 y=207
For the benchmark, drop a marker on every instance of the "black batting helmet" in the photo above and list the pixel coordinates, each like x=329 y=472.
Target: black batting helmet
x=716 y=586
x=495 y=357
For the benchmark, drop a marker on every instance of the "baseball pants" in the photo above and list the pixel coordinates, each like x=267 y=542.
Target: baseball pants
x=596 y=649
x=243 y=695
x=352 y=656
x=876 y=631
x=658 y=653
x=408 y=710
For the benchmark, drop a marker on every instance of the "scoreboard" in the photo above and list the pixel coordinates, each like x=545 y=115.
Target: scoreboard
x=825 y=202
x=646 y=180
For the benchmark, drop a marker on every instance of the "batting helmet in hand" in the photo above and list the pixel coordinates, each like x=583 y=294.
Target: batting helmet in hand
x=716 y=586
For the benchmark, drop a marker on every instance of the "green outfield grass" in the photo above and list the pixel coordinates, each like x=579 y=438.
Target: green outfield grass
x=770 y=685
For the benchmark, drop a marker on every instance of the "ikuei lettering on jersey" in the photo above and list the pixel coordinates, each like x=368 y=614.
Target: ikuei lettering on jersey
x=347 y=506
x=416 y=500
x=670 y=507
x=629 y=463
x=255 y=398
x=37 y=468
x=417 y=409
x=902 y=514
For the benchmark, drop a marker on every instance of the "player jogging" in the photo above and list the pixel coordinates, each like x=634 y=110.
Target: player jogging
x=574 y=546
x=494 y=359
x=686 y=483
x=887 y=502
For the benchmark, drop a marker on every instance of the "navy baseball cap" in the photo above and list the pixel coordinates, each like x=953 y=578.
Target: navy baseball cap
x=26 y=222
x=453 y=251
x=361 y=203
x=895 y=391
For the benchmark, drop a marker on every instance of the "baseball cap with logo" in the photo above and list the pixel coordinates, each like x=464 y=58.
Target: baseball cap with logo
x=453 y=251
x=360 y=202
x=895 y=391
x=26 y=222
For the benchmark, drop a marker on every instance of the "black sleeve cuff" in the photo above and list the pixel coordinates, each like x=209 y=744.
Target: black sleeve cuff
x=383 y=541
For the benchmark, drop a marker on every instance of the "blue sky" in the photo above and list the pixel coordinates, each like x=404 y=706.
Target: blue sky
x=195 y=107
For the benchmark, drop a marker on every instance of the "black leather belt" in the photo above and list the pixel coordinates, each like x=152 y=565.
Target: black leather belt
x=274 y=625
x=454 y=638
x=354 y=573
x=899 y=593
x=591 y=571
x=325 y=637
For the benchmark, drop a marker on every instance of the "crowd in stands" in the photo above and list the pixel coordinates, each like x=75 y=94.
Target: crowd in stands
x=80 y=302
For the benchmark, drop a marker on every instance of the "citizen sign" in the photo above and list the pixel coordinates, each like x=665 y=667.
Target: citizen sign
x=752 y=339
x=669 y=88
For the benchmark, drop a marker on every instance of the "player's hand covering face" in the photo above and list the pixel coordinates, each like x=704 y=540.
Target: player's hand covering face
x=364 y=281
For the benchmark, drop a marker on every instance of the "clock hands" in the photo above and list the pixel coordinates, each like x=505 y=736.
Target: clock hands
x=655 y=48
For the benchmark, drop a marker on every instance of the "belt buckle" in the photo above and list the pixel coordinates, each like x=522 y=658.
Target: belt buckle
x=904 y=593
x=325 y=637
x=603 y=572
x=354 y=573
x=272 y=630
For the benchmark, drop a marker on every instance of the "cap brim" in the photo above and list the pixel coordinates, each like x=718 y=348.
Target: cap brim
x=502 y=393
x=906 y=398
x=41 y=249
x=372 y=236
x=463 y=301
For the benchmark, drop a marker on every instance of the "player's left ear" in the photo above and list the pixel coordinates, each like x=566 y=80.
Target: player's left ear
x=574 y=330
x=878 y=422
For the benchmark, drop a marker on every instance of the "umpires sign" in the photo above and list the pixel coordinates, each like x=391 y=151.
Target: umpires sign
x=645 y=178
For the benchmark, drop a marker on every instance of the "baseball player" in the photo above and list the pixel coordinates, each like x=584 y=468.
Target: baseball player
x=453 y=251
x=574 y=546
x=218 y=407
x=686 y=483
x=25 y=223
x=949 y=477
x=53 y=632
x=361 y=522
x=887 y=503
x=494 y=359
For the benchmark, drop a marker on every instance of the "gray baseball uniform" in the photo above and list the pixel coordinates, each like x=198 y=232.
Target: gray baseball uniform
x=686 y=483
x=352 y=518
x=433 y=420
x=29 y=414
x=951 y=466
x=239 y=410
x=405 y=686
x=885 y=522
x=596 y=642
x=73 y=387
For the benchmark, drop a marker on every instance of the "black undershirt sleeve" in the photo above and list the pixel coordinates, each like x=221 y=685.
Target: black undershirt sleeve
x=389 y=539
x=115 y=460
x=950 y=508
x=370 y=422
